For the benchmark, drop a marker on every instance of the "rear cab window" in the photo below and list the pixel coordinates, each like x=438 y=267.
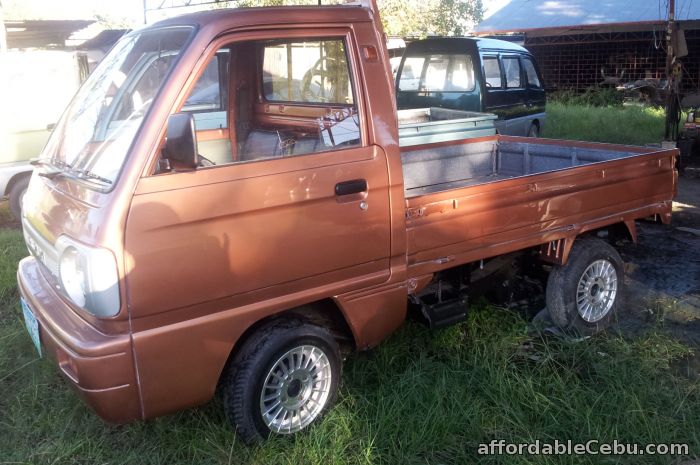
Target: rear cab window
x=439 y=72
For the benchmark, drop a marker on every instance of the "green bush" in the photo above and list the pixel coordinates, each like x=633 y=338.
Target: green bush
x=592 y=97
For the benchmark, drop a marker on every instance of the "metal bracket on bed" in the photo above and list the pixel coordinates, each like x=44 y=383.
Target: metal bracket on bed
x=556 y=251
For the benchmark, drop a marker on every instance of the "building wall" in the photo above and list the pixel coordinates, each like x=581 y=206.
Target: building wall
x=577 y=62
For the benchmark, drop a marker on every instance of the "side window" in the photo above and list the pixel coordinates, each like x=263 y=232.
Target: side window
x=208 y=100
x=288 y=98
x=511 y=66
x=313 y=76
x=532 y=79
x=411 y=73
x=208 y=103
x=307 y=72
x=492 y=73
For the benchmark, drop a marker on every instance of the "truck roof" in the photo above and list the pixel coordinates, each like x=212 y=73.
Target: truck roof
x=461 y=43
x=229 y=18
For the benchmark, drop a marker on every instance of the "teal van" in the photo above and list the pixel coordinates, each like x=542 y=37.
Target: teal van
x=474 y=74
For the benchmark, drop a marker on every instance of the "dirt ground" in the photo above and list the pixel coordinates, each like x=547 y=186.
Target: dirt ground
x=663 y=270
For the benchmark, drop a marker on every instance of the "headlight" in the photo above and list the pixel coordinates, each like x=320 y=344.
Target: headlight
x=89 y=277
x=72 y=273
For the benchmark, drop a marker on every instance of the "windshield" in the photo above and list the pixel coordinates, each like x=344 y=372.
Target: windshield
x=101 y=122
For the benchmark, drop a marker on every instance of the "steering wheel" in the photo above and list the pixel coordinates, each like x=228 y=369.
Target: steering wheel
x=316 y=75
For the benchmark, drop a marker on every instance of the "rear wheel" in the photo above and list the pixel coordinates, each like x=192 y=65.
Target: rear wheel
x=585 y=294
x=283 y=380
x=16 y=195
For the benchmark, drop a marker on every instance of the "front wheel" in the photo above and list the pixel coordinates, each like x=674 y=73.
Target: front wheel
x=282 y=380
x=585 y=294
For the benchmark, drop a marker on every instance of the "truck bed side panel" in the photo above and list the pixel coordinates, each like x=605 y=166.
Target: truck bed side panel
x=466 y=224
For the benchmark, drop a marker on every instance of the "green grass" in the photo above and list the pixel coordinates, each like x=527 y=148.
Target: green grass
x=621 y=125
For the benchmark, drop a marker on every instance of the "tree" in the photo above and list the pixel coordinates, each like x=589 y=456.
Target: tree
x=420 y=18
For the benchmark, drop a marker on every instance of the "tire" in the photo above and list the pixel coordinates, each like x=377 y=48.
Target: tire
x=16 y=194
x=266 y=355
x=585 y=294
x=534 y=130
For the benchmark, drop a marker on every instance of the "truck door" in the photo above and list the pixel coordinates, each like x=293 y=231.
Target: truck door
x=292 y=198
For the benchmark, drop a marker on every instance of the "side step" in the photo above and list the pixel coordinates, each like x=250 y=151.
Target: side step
x=445 y=313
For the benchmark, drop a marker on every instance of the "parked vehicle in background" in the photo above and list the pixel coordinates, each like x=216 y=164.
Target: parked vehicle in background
x=36 y=87
x=396 y=47
x=474 y=74
x=231 y=201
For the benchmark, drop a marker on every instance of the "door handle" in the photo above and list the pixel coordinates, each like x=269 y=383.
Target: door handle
x=354 y=186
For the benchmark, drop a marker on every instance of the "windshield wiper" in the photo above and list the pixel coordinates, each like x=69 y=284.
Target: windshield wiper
x=53 y=174
x=90 y=175
x=39 y=162
x=58 y=166
x=50 y=162
x=66 y=170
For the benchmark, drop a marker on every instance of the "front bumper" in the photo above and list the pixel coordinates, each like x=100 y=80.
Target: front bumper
x=99 y=366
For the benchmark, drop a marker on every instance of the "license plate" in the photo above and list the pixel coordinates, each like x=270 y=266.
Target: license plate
x=32 y=325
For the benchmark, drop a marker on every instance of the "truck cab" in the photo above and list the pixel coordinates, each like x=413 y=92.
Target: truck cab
x=216 y=170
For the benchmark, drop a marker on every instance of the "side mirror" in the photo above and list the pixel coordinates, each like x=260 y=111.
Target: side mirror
x=181 y=141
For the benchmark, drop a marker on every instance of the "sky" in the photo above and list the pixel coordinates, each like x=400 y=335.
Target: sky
x=122 y=12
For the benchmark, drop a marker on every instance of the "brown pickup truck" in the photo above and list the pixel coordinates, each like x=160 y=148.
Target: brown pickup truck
x=227 y=202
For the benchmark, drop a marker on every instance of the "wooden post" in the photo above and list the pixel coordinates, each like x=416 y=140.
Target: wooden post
x=671 y=132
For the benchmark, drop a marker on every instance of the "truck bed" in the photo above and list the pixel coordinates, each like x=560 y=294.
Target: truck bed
x=429 y=169
x=484 y=197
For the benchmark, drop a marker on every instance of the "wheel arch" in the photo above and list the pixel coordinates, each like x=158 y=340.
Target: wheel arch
x=325 y=313
x=18 y=177
x=557 y=252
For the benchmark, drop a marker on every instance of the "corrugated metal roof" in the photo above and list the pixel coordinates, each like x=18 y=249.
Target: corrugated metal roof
x=524 y=15
x=42 y=33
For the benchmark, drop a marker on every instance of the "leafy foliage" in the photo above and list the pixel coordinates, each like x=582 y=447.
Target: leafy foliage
x=592 y=97
x=419 y=18
x=410 y=18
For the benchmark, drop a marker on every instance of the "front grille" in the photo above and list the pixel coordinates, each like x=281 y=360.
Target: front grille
x=40 y=248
